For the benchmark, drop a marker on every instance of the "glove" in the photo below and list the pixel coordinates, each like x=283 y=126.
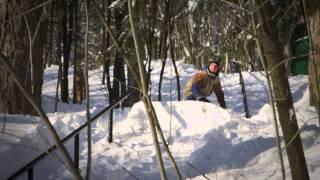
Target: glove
x=204 y=99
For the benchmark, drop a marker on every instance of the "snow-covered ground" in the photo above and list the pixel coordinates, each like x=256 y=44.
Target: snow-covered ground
x=205 y=139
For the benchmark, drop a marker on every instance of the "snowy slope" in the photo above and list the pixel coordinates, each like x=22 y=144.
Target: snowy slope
x=204 y=138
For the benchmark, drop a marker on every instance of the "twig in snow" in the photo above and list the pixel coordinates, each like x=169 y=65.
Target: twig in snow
x=195 y=168
x=126 y=170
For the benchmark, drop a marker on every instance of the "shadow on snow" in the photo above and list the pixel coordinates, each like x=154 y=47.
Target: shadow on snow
x=218 y=152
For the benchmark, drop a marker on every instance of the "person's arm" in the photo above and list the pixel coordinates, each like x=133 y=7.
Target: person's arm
x=199 y=80
x=219 y=93
x=195 y=89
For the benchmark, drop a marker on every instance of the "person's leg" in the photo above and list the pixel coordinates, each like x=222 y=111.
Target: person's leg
x=219 y=93
x=190 y=97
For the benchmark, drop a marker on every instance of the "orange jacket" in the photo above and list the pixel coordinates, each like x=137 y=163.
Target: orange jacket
x=202 y=84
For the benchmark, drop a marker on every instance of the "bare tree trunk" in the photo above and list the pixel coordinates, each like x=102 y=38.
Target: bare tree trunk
x=119 y=77
x=246 y=47
x=288 y=121
x=56 y=100
x=147 y=103
x=133 y=87
x=38 y=42
x=163 y=65
x=58 y=53
x=270 y=93
x=115 y=43
x=67 y=39
x=103 y=46
x=106 y=56
x=177 y=74
x=312 y=18
x=6 y=33
x=43 y=116
x=78 y=78
x=191 y=41
x=119 y=84
x=107 y=62
x=136 y=75
x=86 y=77
x=282 y=92
x=163 y=48
x=152 y=23
x=51 y=29
x=153 y=121
x=24 y=43
x=244 y=94
x=171 y=45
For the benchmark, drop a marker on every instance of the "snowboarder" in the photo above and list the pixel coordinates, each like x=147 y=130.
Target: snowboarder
x=201 y=85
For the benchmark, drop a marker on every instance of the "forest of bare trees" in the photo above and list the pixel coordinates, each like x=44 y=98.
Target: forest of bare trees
x=129 y=35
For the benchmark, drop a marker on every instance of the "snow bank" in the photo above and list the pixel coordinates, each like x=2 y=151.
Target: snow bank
x=204 y=138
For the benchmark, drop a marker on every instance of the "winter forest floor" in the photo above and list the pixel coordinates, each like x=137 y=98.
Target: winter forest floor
x=204 y=138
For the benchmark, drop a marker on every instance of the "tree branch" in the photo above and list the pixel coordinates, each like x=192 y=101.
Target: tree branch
x=30 y=10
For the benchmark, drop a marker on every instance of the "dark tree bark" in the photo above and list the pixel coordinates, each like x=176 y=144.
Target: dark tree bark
x=43 y=116
x=175 y=71
x=314 y=68
x=243 y=91
x=119 y=87
x=312 y=17
x=119 y=84
x=273 y=49
x=134 y=88
x=50 y=41
x=78 y=78
x=173 y=55
x=152 y=14
x=163 y=47
x=161 y=77
x=103 y=45
x=107 y=58
x=107 y=63
x=67 y=40
x=26 y=51
x=58 y=56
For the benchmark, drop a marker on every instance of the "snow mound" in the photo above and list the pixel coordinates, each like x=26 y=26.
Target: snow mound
x=200 y=135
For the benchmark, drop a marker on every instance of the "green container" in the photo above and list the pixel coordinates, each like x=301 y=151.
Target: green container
x=301 y=48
